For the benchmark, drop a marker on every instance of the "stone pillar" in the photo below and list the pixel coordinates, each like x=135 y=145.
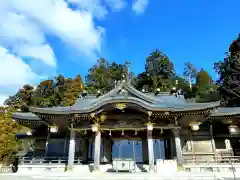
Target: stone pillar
x=150 y=151
x=107 y=153
x=229 y=147
x=71 y=151
x=145 y=151
x=97 y=150
x=85 y=151
x=178 y=146
x=228 y=144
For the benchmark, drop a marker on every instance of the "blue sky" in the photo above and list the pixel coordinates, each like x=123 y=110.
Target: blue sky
x=196 y=31
x=44 y=38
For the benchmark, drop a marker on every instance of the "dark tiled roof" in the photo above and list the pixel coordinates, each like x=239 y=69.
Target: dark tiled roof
x=25 y=116
x=226 y=111
x=125 y=92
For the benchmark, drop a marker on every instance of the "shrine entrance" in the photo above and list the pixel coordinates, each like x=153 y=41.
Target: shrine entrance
x=136 y=149
x=127 y=149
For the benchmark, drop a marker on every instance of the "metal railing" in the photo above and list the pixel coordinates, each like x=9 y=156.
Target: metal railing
x=48 y=160
x=214 y=160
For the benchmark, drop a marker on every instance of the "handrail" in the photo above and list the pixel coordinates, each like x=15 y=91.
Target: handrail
x=48 y=160
x=214 y=160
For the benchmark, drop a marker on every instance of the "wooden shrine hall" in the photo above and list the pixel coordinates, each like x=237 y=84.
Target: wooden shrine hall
x=126 y=127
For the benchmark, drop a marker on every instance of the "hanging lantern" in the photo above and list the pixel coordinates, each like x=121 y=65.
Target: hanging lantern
x=95 y=127
x=29 y=133
x=195 y=126
x=122 y=132
x=85 y=132
x=53 y=129
x=149 y=126
x=232 y=128
x=110 y=133
x=161 y=131
x=135 y=132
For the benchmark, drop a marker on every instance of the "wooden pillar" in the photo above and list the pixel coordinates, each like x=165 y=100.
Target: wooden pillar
x=107 y=150
x=172 y=148
x=65 y=143
x=144 y=151
x=85 y=151
x=150 y=151
x=178 y=146
x=71 y=151
x=97 y=150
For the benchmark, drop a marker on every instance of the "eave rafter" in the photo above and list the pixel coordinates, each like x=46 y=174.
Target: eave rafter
x=31 y=123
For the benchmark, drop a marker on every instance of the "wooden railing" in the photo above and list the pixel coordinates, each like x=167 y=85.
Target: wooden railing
x=214 y=160
x=48 y=160
x=6 y=169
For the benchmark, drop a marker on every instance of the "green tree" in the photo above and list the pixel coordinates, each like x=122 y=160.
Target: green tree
x=159 y=71
x=229 y=75
x=158 y=64
x=190 y=73
x=203 y=80
x=52 y=92
x=22 y=99
x=8 y=130
x=103 y=75
x=72 y=90
x=44 y=94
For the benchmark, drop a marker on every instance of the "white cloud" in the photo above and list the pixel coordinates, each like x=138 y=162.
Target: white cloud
x=116 y=4
x=96 y=8
x=26 y=24
x=41 y=52
x=99 y=8
x=14 y=73
x=139 y=6
x=2 y=99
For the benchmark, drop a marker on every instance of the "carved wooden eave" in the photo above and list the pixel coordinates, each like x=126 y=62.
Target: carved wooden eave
x=31 y=123
x=226 y=115
x=28 y=119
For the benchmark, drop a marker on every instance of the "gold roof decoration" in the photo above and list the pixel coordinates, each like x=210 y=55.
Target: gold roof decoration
x=121 y=106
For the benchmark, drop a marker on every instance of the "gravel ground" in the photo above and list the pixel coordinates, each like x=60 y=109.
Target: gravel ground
x=6 y=177
x=111 y=176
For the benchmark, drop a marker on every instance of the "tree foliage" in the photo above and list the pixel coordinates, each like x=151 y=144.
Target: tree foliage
x=8 y=130
x=159 y=71
x=104 y=75
x=22 y=99
x=229 y=75
x=189 y=73
x=59 y=91
x=158 y=64
x=203 y=79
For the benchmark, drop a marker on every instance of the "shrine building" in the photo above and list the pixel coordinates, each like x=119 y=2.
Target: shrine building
x=126 y=129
